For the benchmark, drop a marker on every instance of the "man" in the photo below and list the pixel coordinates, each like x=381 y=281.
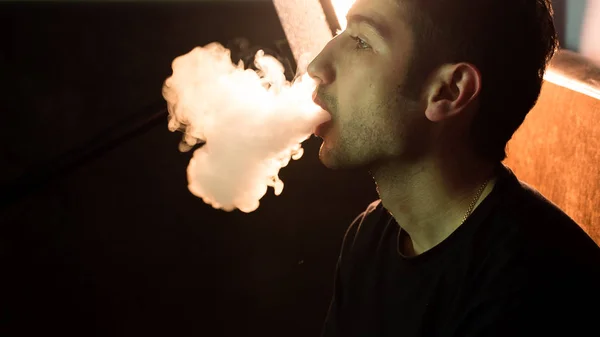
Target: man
x=425 y=94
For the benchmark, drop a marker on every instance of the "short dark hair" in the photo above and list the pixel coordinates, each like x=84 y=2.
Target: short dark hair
x=509 y=41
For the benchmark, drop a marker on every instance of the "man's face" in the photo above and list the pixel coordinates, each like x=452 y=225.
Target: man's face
x=365 y=84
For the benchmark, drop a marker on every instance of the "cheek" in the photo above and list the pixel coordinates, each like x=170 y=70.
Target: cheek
x=366 y=105
x=367 y=99
x=367 y=122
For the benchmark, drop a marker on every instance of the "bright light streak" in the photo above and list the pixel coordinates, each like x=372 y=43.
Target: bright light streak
x=571 y=83
x=341 y=8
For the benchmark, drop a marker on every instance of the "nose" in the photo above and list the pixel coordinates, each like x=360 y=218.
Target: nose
x=321 y=68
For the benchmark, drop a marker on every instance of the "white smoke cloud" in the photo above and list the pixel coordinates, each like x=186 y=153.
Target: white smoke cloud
x=251 y=123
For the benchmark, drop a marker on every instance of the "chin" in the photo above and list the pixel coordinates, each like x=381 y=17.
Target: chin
x=325 y=158
x=328 y=157
x=337 y=161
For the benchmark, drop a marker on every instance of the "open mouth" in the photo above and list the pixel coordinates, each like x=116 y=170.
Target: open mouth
x=322 y=128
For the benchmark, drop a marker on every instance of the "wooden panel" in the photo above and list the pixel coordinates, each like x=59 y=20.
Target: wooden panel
x=557 y=151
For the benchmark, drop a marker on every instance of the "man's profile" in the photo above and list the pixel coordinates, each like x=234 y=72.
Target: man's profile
x=425 y=95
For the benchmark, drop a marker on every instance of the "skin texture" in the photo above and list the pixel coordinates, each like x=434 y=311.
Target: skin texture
x=408 y=128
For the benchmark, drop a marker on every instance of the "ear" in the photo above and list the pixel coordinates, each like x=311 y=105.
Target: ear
x=451 y=90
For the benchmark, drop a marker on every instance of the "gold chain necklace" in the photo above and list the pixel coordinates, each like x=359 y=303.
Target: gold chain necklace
x=400 y=243
x=477 y=196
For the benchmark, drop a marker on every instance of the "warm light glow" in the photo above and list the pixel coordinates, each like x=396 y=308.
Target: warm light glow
x=557 y=78
x=341 y=8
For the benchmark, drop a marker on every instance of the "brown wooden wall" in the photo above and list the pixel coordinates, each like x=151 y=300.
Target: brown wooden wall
x=557 y=151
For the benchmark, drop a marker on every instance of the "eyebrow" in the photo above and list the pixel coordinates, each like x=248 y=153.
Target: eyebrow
x=381 y=28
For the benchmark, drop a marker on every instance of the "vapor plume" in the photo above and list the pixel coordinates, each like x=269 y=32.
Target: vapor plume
x=250 y=124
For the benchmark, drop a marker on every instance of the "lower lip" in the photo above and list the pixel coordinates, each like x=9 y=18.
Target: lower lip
x=322 y=129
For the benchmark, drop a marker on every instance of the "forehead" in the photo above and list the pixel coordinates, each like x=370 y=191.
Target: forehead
x=389 y=14
x=382 y=7
x=392 y=13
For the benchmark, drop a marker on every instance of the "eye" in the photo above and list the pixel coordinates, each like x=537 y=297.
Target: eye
x=360 y=43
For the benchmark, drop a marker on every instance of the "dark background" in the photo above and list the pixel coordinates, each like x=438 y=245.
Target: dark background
x=99 y=235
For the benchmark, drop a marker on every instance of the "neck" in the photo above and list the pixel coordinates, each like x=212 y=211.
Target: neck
x=429 y=199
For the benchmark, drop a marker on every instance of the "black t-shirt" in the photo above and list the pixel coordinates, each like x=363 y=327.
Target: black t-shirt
x=517 y=267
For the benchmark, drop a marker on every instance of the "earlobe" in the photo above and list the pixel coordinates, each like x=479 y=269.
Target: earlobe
x=437 y=110
x=439 y=96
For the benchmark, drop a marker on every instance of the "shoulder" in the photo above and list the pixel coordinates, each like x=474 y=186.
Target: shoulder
x=537 y=271
x=529 y=241
x=374 y=210
x=535 y=256
x=538 y=223
x=365 y=221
